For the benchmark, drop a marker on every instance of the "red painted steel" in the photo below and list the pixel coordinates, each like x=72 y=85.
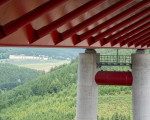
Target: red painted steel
x=17 y=17
x=66 y=18
x=126 y=30
x=95 y=18
x=113 y=20
x=148 y=43
x=2 y=2
x=129 y=34
x=114 y=78
x=30 y=16
x=144 y=42
x=120 y=25
x=134 y=37
x=138 y=40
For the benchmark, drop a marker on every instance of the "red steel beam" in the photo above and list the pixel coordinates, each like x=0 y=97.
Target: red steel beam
x=114 y=78
x=138 y=40
x=30 y=16
x=134 y=37
x=66 y=18
x=113 y=20
x=119 y=26
x=133 y=32
x=2 y=2
x=144 y=42
x=95 y=18
x=148 y=45
x=126 y=30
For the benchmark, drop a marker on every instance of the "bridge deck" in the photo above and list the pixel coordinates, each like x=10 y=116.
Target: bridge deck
x=75 y=23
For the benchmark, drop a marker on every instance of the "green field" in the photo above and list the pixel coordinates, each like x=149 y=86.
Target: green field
x=44 y=65
x=49 y=106
x=109 y=105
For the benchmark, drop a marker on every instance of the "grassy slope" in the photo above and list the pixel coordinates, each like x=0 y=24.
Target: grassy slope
x=40 y=105
x=12 y=75
x=48 y=107
x=58 y=106
x=38 y=66
x=56 y=53
x=111 y=104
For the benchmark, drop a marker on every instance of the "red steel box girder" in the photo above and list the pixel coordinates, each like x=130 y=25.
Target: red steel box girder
x=75 y=23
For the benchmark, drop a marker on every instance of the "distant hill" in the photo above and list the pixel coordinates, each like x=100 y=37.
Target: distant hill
x=12 y=76
x=55 y=53
x=53 y=97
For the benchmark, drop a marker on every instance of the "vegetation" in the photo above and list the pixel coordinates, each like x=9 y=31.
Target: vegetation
x=53 y=97
x=45 y=65
x=12 y=76
x=60 y=54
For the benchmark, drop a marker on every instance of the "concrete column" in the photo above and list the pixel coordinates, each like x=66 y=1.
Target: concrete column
x=141 y=85
x=87 y=89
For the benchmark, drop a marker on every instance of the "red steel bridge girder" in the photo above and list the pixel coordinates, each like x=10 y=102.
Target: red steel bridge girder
x=135 y=31
x=112 y=20
x=138 y=40
x=72 y=32
x=95 y=18
x=129 y=28
x=134 y=37
x=2 y=2
x=120 y=25
x=77 y=24
x=144 y=42
x=66 y=18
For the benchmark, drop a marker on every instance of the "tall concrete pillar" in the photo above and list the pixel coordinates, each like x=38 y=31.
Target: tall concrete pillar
x=141 y=85
x=87 y=89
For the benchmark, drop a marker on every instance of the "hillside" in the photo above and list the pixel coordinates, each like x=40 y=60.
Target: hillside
x=53 y=97
x=55 y=53
x=12 y=76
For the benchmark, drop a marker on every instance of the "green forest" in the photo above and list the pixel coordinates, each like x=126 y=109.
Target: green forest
x=59 y=54
x=52 y=96
x=12 y=76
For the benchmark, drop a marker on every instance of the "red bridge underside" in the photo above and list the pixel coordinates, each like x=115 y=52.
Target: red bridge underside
x=75 y=23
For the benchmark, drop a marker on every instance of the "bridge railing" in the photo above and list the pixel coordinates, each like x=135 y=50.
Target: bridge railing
x=114 y=60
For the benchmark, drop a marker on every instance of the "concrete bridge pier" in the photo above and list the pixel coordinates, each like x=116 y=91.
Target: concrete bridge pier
x=87 y=89
x=141 y=85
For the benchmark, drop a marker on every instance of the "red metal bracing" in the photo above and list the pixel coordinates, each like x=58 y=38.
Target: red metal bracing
x=111 y=21
x=129 y=34
x=126 y=30
x=120 y=25
x=148 y=44
x=114 y=78
x=93 y=19
x=138 y=40
x=30 y=16
x=68 y=17
x=2 y=2
x=134 y=37
x=143 y=42
x=75 y=23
